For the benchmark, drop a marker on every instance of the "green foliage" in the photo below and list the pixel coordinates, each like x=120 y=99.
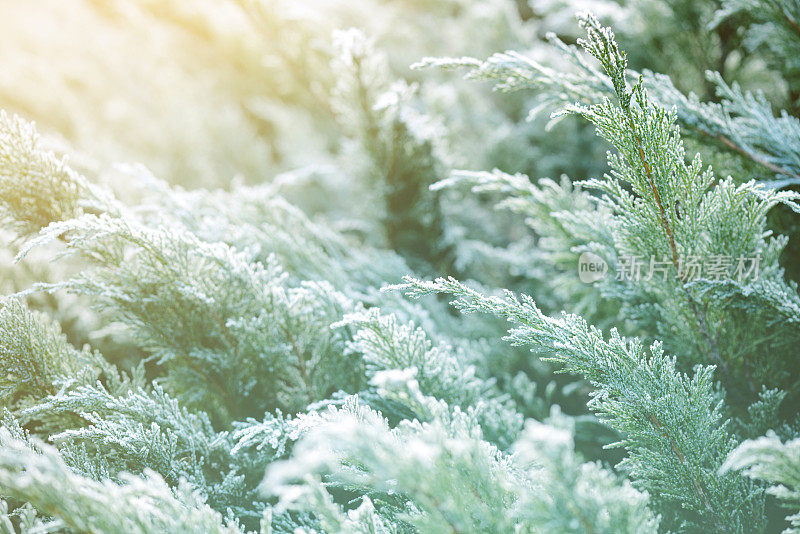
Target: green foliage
x=672 y=424
x=80 y=504
x=470 y=485
x=741 y=123
x=776 y=463
x=34 y=357
x=662 y=209
x=37 y=187
x=399 y=145
x=440 y=372
x=37 y=362
x=773 y=25
x=156 y=279
x=241 y=368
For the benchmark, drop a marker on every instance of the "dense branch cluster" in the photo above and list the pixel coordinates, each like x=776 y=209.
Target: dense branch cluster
x=278 y=357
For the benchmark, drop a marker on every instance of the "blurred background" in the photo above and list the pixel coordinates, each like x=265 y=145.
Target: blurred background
x=206 y=92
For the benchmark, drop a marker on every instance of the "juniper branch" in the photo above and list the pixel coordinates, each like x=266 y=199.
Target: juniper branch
x=672 y=424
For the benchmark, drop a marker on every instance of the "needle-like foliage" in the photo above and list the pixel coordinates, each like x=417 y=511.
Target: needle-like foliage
x=227 y=361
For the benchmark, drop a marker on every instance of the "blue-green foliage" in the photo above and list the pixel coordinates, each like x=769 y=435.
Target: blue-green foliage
x=272 y=382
